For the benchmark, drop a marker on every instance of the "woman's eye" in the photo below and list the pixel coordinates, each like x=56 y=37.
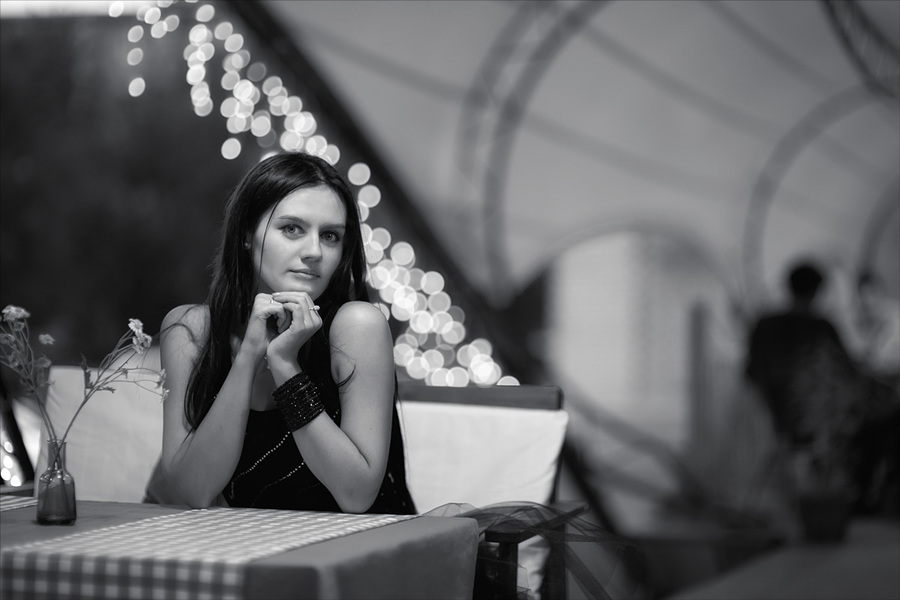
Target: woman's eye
x=291 y=229
x=331 y=237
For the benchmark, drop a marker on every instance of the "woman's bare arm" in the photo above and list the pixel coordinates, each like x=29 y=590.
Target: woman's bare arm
x=350 y=460
x=196 y=465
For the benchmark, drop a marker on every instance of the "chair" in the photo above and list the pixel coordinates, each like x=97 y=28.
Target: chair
x=485 y=446
x=116 y=439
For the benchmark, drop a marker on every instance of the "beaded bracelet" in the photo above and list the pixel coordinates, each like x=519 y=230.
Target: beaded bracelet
x=298 y=400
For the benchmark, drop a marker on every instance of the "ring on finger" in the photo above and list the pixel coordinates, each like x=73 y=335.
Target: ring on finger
x=314 y=308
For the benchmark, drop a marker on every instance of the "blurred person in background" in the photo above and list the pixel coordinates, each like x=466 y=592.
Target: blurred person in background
x=784 y=344
x=832 y=419
x=878 y=328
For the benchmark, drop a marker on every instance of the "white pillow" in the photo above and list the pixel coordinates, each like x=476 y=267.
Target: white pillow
x=480 y=455
x=116 y=439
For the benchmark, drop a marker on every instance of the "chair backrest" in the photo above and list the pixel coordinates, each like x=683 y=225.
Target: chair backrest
x=481 y=445
x=116 y=438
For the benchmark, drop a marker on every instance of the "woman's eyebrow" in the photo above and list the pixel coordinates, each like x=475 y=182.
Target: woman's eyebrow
x=304 y=222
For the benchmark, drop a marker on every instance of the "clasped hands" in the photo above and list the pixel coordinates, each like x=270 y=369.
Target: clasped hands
x=280 y=323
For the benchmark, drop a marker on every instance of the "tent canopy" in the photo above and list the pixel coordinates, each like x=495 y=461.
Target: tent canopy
x=755 y=131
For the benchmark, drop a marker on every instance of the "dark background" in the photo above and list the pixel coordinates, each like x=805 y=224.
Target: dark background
x=110 y=205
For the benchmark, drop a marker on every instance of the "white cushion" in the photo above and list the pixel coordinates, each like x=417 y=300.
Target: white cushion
x=116 y=439
x=480 y=455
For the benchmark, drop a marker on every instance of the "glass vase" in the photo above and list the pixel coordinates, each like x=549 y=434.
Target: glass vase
x=56 y=488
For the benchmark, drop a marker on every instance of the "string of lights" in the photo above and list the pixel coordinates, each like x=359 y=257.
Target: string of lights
x=258 y=106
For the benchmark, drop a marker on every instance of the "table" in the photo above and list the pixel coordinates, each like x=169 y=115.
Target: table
x=866 y=566
x=382 y=557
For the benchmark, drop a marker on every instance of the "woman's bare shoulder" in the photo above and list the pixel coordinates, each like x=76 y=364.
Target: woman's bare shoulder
x=361 y=343
x=192 y=317
x=360 y=325
x=359 y=314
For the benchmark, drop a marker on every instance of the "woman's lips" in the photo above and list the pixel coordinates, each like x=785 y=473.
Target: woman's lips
x=304 y=274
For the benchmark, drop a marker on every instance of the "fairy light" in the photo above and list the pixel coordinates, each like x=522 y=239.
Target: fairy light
x=259 y=107
x=10 y=471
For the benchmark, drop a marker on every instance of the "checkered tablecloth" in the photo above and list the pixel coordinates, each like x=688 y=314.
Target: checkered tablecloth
x=11 y=502
x=193 y=555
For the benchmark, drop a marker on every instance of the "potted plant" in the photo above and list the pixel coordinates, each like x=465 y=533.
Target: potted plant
x=824 y=492
x=56 y=487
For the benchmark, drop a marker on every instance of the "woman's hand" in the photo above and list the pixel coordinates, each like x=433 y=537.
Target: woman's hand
x=300 y=320
x=267 y=319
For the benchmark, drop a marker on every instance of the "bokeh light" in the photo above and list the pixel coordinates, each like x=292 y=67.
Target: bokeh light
x=257 y=106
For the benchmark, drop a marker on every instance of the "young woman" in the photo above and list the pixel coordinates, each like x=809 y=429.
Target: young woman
x=282 y=387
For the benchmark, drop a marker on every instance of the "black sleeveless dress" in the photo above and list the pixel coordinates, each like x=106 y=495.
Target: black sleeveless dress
x=271 y=472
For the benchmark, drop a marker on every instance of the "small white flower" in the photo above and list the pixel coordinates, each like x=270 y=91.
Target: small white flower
x=15 y=313
x=136 y=326
x=46 y=339
x=141 y=342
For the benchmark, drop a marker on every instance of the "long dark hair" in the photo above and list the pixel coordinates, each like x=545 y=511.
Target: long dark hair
x=233 y=287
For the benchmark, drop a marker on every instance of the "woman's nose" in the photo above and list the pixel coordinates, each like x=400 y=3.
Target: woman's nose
x=312 y=247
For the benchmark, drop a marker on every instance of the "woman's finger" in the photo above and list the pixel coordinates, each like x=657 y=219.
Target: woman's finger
x=283 y=321
x=269 y=310
x=303 y=314
x=295 y=297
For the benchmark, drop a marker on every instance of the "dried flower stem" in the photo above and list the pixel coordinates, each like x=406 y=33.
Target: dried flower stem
x=18 y=354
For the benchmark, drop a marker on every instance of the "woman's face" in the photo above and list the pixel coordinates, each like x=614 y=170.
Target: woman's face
x=301 y=244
